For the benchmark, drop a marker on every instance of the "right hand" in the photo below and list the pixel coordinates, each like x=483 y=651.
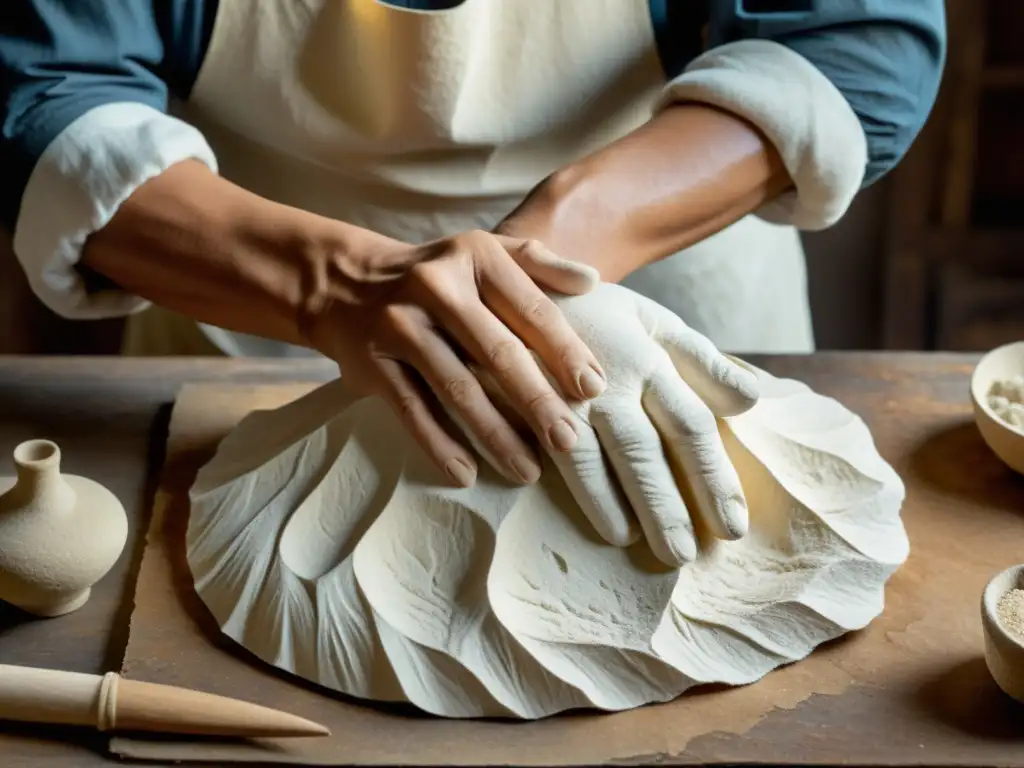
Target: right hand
x=658 y=427
x=397 y=316
x=655 y=430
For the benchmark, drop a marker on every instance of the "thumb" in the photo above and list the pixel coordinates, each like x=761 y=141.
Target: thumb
x=548 y=269
x=726 y=384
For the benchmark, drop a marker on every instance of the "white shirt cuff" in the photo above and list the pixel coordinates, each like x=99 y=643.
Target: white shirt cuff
x=76 y=187
x=800 y=111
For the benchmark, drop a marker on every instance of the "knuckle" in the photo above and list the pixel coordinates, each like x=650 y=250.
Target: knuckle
x=708 y=464
x=426 y=275
x=470 y=242
x=544 y=403
x=530 y=249
x=504 y=356
x=698 y=428
x=444 y=290
x=461 y=391
x=495 y=439
x=539 y=311
x=587 y=464
x=408 y=407
x=636 y=442
x=642 y=457
x=402 y=327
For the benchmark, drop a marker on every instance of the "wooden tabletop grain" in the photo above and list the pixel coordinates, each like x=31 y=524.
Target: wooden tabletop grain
x=109 y=415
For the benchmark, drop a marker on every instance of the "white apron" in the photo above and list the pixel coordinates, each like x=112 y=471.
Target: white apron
x=422 y=124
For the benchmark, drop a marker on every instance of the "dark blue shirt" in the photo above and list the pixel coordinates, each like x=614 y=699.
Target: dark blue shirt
x=61 y=58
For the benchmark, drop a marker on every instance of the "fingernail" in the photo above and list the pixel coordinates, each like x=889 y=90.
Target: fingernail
x=460 y=472
x=590 y=382
x=562 y=436
x=527 y=471
x=682 y=550
x=737 y=519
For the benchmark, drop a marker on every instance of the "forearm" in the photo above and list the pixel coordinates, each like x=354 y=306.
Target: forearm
x=689 y=172
x=194 y=243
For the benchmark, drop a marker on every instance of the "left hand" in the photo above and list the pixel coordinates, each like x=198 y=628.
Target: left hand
x=399 y=319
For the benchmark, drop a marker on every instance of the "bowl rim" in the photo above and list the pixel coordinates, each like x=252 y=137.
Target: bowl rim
x=980 y=399
x=1007 y=579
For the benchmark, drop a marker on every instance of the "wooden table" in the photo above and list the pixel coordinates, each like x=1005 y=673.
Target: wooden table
x=109 y=416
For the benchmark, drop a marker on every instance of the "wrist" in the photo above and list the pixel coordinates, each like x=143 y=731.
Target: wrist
x=339 y=266
x=193 y=242
x=570 y=215
x=687 y=173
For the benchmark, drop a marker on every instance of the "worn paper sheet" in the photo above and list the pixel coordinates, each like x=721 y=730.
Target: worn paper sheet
x=912 y=689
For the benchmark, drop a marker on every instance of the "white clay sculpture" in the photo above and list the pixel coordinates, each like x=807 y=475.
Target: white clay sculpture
x=59 y=533
x=323 y=540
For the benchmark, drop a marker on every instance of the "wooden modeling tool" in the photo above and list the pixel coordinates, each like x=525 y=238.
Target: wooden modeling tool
x=110 y=702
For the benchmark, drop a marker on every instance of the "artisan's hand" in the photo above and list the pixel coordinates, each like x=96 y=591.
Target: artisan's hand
x=666 y=385
x=393 y=311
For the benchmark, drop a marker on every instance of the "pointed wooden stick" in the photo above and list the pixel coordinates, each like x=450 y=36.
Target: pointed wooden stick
x=110 y=702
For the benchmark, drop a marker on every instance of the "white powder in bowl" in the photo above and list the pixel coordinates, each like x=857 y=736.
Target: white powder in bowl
x=1006 y=399
x=1010 y=610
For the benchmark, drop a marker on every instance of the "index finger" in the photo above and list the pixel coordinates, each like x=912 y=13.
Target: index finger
x=591 y=481
x=691 y=434
x=529 y=312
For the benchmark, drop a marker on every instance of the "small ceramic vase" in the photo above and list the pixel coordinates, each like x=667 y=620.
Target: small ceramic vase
x=59 y=534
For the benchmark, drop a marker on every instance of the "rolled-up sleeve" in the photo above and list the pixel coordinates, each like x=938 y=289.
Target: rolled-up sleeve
x=83 y=99
x=841 y=90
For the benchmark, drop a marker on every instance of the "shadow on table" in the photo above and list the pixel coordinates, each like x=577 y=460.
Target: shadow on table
x=19 y=736
x=11 y=617
x=956 y=461
x=156 y=455
x=966 y=697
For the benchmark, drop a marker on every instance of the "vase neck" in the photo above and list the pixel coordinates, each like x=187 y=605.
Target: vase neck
x=38 y=467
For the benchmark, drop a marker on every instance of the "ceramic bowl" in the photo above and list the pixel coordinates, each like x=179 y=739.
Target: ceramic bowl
x=1004 y=653
x=1006 y=442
